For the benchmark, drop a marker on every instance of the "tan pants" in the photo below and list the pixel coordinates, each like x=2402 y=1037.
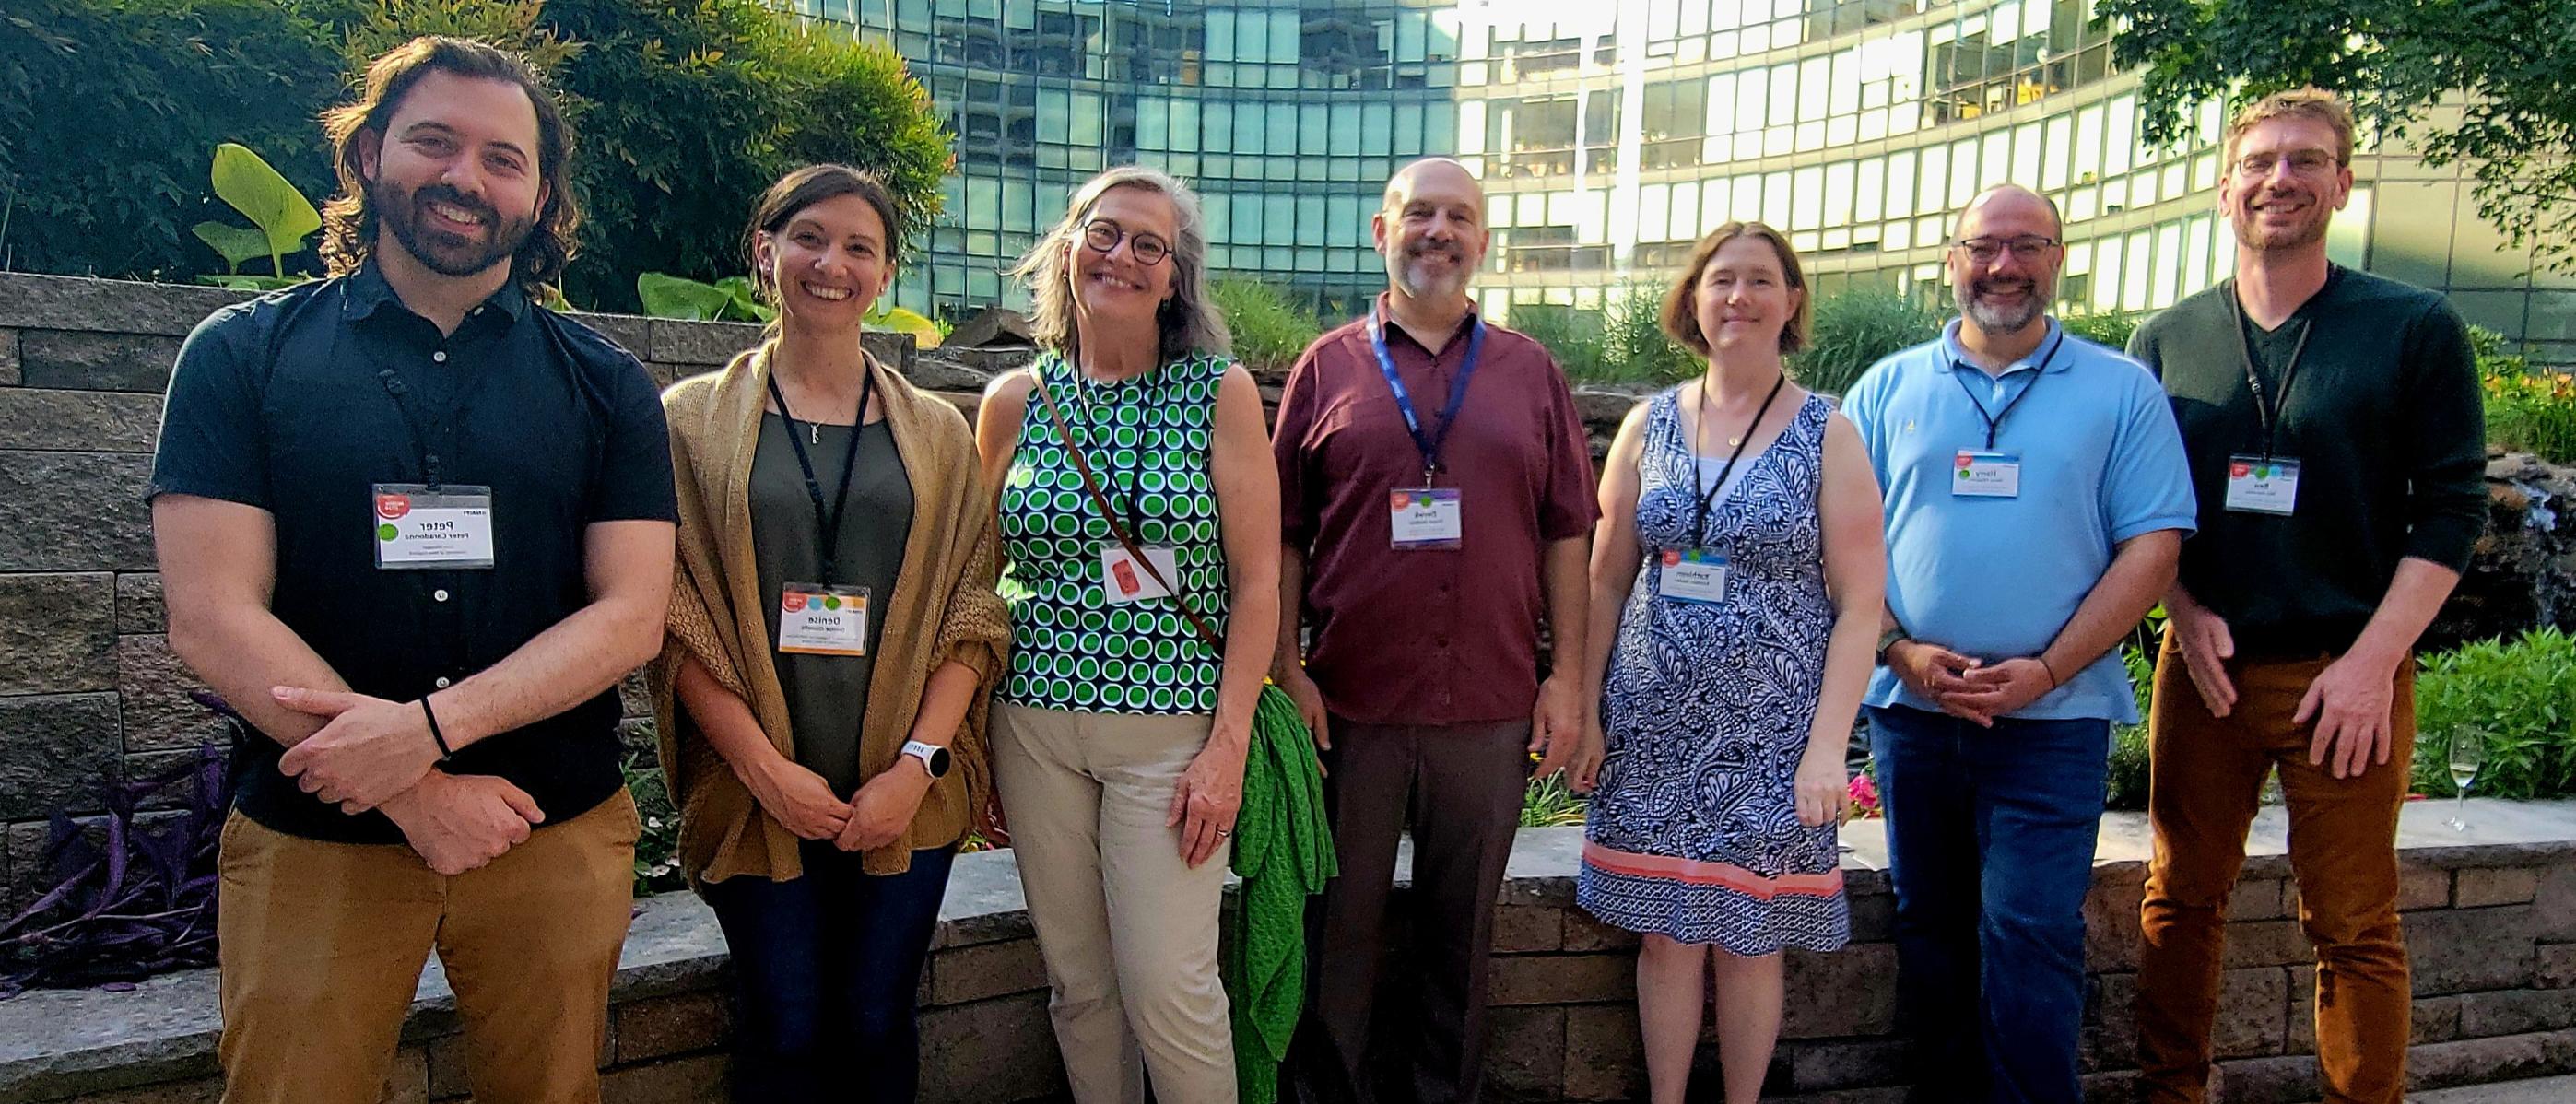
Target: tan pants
x=323 y=945
x=1128 y=930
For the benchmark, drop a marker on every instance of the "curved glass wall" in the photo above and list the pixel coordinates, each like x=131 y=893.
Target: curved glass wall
x=1610 y=135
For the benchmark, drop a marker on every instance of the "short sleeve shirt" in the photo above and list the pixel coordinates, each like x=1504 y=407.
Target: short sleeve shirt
x=285 y=403
x=1429 y=636
x=1995 y=578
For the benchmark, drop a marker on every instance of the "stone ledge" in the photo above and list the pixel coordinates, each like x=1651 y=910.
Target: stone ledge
x=58 y=1044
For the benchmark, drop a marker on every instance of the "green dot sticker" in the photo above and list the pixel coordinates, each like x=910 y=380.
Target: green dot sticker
x=831 y=602
x=387 y=532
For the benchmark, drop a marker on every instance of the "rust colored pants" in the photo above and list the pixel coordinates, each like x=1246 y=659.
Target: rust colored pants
x=2207 y=777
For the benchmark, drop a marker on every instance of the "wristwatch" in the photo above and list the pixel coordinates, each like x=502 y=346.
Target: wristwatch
x=934 y=758
x=1888 y=640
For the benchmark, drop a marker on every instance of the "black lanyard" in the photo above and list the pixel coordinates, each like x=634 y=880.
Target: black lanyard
x=406 y=402
x=1429 y=444
x=827 y=522
x=1699 y=525
x=1136 y=484
x=1995 y=421
x=2270 y=409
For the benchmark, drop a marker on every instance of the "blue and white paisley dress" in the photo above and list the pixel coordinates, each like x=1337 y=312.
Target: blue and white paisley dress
x=1693 y=833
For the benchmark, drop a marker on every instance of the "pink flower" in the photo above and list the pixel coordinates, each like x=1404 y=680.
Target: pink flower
x=1864 y=797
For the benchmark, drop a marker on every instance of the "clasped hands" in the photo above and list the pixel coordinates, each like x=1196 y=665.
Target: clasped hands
x=1969 y=688
x=376 y=754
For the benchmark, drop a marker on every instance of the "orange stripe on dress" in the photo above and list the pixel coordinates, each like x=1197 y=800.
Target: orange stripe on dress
x=1699 y=872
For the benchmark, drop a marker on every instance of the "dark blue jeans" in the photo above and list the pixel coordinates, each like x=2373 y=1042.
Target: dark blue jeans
x=1990 y=844
x=825 y=970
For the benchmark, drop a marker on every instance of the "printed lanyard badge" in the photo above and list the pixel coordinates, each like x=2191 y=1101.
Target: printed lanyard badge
x=418 y=528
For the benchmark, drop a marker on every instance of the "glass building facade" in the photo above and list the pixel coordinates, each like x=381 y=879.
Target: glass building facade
x=1611 y=134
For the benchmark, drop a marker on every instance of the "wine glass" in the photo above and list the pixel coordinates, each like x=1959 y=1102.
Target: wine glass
x=2468 y=753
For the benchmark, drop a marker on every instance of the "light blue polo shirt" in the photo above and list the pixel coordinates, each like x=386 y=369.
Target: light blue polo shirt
x=1996 y=578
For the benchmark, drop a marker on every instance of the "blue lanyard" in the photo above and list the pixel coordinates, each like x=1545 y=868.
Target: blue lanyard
x=1429 y=444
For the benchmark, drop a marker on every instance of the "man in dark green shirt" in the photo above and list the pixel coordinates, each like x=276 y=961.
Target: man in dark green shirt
x=2336 y=442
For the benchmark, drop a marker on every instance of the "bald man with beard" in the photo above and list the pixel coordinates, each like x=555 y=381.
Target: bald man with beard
x=1437 y=508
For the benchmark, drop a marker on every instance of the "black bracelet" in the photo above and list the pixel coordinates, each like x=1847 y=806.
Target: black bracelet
x=445 y=752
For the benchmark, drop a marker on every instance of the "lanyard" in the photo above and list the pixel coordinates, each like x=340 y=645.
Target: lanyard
x=827 y=523
x=406 y=402
x=1995 y=421
x=1430 y=444
x=1706 y=495
x=2270 y=408
x=1082 y=388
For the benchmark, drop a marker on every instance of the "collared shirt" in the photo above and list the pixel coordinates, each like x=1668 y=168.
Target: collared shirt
x=1429 y=637
x=279 y=403
x=1996 y=578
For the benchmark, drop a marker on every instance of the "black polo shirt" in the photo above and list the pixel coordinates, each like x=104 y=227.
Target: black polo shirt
x=281 y=403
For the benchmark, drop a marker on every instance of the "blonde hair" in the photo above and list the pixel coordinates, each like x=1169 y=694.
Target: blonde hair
x=1681 y=303
x=1188 y=321
x=2297 y=103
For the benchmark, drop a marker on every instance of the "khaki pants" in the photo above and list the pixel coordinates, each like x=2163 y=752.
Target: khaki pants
x=323 y=945
x=2208 y=775
x=1128 y=930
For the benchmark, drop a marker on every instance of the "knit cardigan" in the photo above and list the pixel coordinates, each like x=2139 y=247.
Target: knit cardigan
x=943 y=608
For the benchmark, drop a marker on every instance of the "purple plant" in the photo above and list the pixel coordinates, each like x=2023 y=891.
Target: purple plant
x=134 y=895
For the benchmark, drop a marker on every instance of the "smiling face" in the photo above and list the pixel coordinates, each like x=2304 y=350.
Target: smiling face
x=2286 y=206
x=1117 y=285
x=2011 y=288
x=1432 y=229
x=828 y=263
x=454 y=176
x=1744 y=299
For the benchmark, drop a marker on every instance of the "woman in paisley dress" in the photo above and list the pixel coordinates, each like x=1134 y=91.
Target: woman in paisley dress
x=1119 y=736
x=1737 y=579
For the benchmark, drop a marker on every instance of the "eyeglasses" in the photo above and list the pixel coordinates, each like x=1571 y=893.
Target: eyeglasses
x=1987 y=250
x=2306 y=162
x=1103 y=236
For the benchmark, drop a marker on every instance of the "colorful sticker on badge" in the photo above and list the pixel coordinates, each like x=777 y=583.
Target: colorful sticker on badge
x=416 y=528
x=1695 y=576
x=1426 y=518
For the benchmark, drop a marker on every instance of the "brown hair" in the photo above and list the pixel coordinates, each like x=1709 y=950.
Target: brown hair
x=2297 y=103
x=804 y=188
x=1681 y=304
x=1188 y=321
x=349 y=225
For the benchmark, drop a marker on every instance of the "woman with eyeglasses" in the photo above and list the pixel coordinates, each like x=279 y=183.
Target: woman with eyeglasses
x=1140 y=518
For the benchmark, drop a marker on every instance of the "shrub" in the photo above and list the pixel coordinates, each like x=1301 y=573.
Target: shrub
x=2528 y=409
x=1572 y=336
x=2523 y=693
x=1550 y=803
x=657 y=865
x=2128 y=780
x=2110 y=330
x=135 y=898
x=1855 y=329
x=1623 y=342
x=1270 y=332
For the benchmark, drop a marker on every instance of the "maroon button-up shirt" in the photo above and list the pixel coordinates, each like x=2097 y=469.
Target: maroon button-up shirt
x=1429 y=637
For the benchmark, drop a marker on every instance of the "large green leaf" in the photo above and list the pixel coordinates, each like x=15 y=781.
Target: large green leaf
x=667 y=296
x=235 y=243
x=925 y=333
x=256 y=190
x=745 y=300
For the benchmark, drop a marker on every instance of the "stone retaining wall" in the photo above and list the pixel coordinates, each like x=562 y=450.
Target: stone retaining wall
x=2490 y=917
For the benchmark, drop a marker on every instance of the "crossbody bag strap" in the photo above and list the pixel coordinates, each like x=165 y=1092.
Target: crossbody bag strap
x=1091 y=486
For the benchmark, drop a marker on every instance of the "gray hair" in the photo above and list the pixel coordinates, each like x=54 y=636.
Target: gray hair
x=1188 y=320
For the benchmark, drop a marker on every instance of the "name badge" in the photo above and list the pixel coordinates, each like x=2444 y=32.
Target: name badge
x=1125 y=580
x=1426 y=517
x=818 y=619
x=1696 y=576
x=2261 y=485
x=1986 y=475
x=417 y=528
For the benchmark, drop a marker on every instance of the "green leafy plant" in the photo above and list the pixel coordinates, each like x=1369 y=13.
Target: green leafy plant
x=1550 y=803
x=2109 y=329
x=1622 y=342
x=282 y=216
x=733 y=299
x=1573 y=336
x=1270 y=331
x=2528 y=409
x=2523 y=693
x=1857 y=328
x=657 y=864
x=2128 y=780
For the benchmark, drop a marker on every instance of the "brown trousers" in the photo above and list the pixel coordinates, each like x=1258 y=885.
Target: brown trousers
x=1460 y=789
x=323 y=945
x=2207 y=777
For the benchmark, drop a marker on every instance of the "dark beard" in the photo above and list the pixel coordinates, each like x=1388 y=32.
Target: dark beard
x=438 y=251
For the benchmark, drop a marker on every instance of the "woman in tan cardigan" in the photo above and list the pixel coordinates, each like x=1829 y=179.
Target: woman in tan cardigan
x=826 y=766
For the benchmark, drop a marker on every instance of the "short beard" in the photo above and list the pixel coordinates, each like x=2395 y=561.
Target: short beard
x=2015 y=320
x=1404 y=271
x=399 y=211
x=2251 y=234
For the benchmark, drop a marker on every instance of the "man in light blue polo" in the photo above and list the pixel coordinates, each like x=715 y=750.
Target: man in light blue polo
x=2037 y=500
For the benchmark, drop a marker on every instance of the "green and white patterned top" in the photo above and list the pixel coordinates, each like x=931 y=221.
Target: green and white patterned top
x=1147 y=440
